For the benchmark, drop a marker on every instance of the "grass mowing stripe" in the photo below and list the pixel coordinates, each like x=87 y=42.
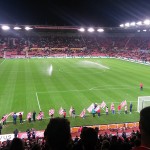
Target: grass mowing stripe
x=70 y=84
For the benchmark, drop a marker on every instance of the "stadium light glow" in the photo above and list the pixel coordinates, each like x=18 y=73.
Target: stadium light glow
x=138 y=30
x=139 y=23
x=5 y=27
x=17 y=28
x=147 y=22
x=127 y=25
x=100 y=30
x=144 y=30
x=132 y=24
x=122 y=25
x=81 y=29
x=28 y=28
x=91 y=29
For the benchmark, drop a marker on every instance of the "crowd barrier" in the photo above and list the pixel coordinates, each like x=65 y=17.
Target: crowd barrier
x=111 y=127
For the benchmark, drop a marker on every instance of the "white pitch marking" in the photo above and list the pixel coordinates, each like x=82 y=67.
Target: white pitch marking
x=97 y=87
x=85 y=90
x=38 y=101
x=2 y=61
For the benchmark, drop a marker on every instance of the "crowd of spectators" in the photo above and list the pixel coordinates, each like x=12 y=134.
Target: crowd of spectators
x=54 y=45
x=57 y=136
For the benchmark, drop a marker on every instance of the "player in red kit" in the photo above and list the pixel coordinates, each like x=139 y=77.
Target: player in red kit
x=141 y=86
x=119 y=109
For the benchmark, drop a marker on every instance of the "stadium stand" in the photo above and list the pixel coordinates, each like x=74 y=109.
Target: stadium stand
x=53 y=44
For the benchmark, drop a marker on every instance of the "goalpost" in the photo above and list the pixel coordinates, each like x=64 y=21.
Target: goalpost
x=143 y=101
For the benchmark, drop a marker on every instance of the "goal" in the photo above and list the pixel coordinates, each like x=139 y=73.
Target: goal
x=143 y=101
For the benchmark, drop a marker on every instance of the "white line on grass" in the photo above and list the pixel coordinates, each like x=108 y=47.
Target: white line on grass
x=108 y=86
x=38 y=101
x=86 y=90
x=2 y=61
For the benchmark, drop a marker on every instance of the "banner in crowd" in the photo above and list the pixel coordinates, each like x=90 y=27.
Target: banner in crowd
x=6 y=137
x=23 y=135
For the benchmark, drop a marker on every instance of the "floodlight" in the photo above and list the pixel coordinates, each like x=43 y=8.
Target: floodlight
x=17 y=28
x=144 y=30
x=132 y=23
x=138 y=30
x=81 y=29
x=28 y=28
x=5 y=27
x=91 y=30
x=139 y=23
x=100 y=30
x=127 y=25
x=147 y=22
x=122 y=25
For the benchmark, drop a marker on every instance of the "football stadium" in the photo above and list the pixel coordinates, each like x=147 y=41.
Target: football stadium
x=94 y=77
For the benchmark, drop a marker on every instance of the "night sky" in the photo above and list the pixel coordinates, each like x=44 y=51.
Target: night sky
x=104 y=13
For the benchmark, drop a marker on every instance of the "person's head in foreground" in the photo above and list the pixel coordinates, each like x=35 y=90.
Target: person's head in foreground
x=57 y=134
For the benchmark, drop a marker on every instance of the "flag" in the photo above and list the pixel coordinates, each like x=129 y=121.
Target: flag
x=70 y=111
x=19 y=113
x=29 y=115
x=6 y=116
x=90 y=108
x=40 y=115
x=97 y=108
x=51 y=112
x=103 y=105
x=123 y=103
x=61 y=111
x=83 y=113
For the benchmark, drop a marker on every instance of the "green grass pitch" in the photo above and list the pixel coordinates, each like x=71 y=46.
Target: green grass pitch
x=25 y=85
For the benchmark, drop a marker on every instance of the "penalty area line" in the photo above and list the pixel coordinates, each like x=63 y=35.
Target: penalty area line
x=2 y=61
x=38 y=101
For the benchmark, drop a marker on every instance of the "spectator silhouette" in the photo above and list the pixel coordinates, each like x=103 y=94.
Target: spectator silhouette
x=144 y=126
x=16 y=133
x=17 y=144
x=57 y=134
x=89 y=138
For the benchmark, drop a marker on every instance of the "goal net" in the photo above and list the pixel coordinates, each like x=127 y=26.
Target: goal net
x=143 y=101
